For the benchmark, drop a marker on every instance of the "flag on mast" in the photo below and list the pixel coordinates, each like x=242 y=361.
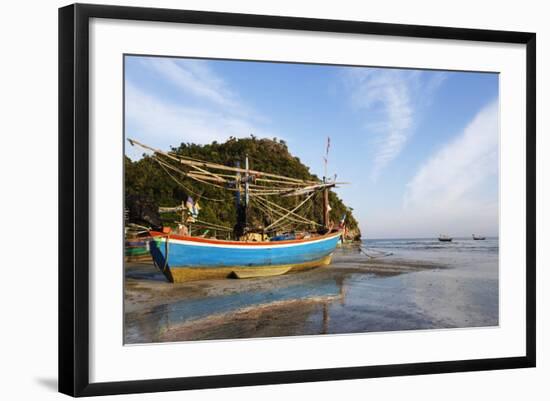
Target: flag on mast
x=326 y=155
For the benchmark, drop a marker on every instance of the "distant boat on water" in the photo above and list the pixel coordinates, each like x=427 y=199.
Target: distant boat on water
x=445 y=238
x=477 y=237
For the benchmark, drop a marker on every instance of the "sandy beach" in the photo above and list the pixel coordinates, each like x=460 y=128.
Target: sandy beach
x=354 y=294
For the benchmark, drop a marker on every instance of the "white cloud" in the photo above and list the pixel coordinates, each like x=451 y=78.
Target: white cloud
x=163 y=124
x=391 y=100
x=196 y=77
x=207 y=110
x=454 y=191
x=454 y=173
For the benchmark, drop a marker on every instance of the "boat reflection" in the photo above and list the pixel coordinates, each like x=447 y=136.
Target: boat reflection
x=299 y=308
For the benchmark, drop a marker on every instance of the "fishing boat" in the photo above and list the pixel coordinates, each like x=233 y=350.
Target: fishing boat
x=444 y=238
x=136 y=248
x=477 y=237
x=184 y=258
x=181 y=256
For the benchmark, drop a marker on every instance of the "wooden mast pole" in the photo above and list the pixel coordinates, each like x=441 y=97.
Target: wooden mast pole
x=183 y=219
x=238 y=231
x=246 y=187
x=326 y=217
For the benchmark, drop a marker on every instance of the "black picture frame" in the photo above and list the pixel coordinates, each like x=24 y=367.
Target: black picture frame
x=74 y=198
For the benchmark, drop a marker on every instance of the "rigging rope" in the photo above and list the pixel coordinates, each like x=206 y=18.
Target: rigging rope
x=218 y=166
x=377 y=254
x=268 y=202
x=182 y=185
x=209 y=173
x=269 y=180
x=214 y=225
x=292 y=211
x=269 y=211
x=280 y=214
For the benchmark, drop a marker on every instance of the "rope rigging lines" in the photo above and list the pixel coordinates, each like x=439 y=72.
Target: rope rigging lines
x=291 y=211
x=200 y=196
x=258 y=186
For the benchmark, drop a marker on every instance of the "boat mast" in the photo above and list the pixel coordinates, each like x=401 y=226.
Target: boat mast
x=246 y=187
x=326 y=216
x=241 y=201
x=238 y=230
x=238 y=184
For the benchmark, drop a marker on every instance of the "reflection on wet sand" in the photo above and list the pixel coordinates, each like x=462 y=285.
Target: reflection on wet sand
x=353 y=294
x=289 y=309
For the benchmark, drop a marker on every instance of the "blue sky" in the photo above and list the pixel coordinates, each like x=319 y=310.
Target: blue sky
x=419 y=147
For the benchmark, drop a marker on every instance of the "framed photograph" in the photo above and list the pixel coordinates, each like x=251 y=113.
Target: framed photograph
x=251 y=199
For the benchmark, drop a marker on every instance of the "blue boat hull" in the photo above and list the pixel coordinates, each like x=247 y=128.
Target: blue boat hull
x=188 y=258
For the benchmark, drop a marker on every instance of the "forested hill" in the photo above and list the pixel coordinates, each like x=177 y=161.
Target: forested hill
x=146 y=180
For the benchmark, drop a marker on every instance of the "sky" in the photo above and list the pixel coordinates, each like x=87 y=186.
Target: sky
x=420 y=148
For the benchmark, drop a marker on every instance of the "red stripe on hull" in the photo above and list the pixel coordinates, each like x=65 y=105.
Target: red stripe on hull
x=222 y=242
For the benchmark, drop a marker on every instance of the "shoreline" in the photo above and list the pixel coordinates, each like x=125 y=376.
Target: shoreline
x=158 y=311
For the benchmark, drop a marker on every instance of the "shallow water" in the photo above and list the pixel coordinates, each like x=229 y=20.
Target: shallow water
x=457 y=286
x=463 y=295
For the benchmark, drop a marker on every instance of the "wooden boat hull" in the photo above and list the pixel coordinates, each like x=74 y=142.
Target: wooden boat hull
x=189 y=258
x=253 y=272
x=137 y=250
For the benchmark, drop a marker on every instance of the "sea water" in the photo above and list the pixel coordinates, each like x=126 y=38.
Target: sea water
x=464 y=292
x=456 y=286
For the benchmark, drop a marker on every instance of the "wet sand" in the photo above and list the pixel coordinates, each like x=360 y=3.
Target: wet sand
x=353 y=294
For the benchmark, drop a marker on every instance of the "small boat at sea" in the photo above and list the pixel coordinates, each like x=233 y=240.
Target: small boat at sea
x=477 y=237
x=444 y=238
x=251 y=252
